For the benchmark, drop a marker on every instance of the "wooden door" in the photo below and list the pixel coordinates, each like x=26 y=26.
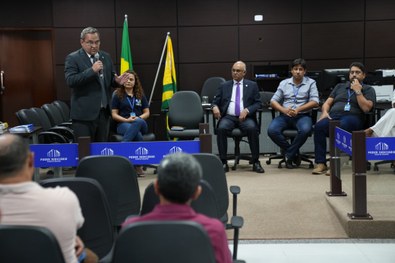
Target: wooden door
x=26 y=64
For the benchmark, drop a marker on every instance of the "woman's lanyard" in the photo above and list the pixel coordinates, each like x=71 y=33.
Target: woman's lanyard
x=132 y=103
x=347 y=107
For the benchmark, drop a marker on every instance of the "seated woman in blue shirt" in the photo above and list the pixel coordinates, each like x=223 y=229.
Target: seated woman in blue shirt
x=130 y=109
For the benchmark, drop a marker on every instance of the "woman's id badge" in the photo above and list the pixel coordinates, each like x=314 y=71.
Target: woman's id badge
x=132 y=114
x=347 y=107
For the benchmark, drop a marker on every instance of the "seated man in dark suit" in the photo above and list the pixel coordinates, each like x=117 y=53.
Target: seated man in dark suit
x=235 y=105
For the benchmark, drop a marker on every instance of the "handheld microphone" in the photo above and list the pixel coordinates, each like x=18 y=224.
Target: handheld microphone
x=97 y=57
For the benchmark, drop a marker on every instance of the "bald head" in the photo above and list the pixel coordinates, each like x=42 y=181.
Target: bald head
x=14 y=153
x=238 y=70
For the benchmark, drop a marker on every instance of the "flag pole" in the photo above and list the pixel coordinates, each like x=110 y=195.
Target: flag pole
x=157 y=72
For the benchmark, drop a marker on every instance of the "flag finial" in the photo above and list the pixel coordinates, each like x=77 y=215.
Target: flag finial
x=126 y=16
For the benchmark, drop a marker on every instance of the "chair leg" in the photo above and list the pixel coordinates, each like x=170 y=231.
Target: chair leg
x=235 y=243
x=237 y=153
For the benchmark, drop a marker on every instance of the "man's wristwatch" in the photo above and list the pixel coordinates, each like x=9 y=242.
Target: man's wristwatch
x=358 y=92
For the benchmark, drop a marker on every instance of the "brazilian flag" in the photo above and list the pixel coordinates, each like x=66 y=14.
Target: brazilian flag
x=126 y=54
x=169 y=76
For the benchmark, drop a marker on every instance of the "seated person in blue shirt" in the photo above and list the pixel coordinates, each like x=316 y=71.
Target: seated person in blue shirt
x=294 y=99
x=130 y=109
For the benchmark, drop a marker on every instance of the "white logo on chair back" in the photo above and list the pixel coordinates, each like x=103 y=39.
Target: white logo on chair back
x=53 y=153
x=141 y=151
x=107 y=151
x=381 y=146
x=175 y=149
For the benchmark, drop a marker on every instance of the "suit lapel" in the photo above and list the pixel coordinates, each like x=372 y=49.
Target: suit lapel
x=245 y=91
x=87 y=61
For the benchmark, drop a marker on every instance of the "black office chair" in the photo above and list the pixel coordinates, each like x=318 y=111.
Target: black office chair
x=290 y=134
x=119 y=180
x=55 y=115
x=214 y=174
x=97 y=232
x=49 y=134
x=184 y=115
x=25 y=244
x=209 y=89
x=64 y=109
x=165 y=242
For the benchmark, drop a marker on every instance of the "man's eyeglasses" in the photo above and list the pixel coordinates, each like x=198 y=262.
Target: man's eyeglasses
x=91 y=43
x=237 y=70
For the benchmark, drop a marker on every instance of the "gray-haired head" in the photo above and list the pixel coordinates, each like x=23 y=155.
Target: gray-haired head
x=88 y=30
x=179 y=175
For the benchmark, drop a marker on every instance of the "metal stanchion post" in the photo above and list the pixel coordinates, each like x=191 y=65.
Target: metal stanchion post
x=205 y=138
x=334 y=152
x=359 y=194
x=83 y=147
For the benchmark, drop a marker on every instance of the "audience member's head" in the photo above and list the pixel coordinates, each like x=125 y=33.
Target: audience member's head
x=178 y=179
x=299 y=61
x=15 y=157
x=358 y=65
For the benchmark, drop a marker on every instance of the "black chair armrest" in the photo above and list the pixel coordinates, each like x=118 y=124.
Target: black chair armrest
x=67 y=124
x=48 y=137
x=64 y=131
x=234 y=189
x=237 y=221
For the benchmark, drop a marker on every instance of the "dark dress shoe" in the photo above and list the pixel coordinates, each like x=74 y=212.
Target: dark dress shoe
x=256 y=167
x=289 y=164
x=226 y=167
x=297 y=160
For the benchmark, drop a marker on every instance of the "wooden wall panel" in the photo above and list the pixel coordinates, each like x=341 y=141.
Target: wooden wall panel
x=27 y=14
x=63 y=92
x=146 y=44
x=331 y=11
x=379 y=63
x=270 y=42
x=380 y=41
x=380 y=9
x=333 y=40
x=147 y=13
x=285 y=11
x=207 y=44
x=330 y=63
x=192 y=76
x=207 y=12
x=83 y=13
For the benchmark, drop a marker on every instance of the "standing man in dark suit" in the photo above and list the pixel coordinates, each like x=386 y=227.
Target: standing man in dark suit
x=235 y=105
x=91 y=74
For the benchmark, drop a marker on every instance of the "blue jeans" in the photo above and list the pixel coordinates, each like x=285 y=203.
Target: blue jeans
x=132 y=131
x=302 y=123
x=348 y=122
